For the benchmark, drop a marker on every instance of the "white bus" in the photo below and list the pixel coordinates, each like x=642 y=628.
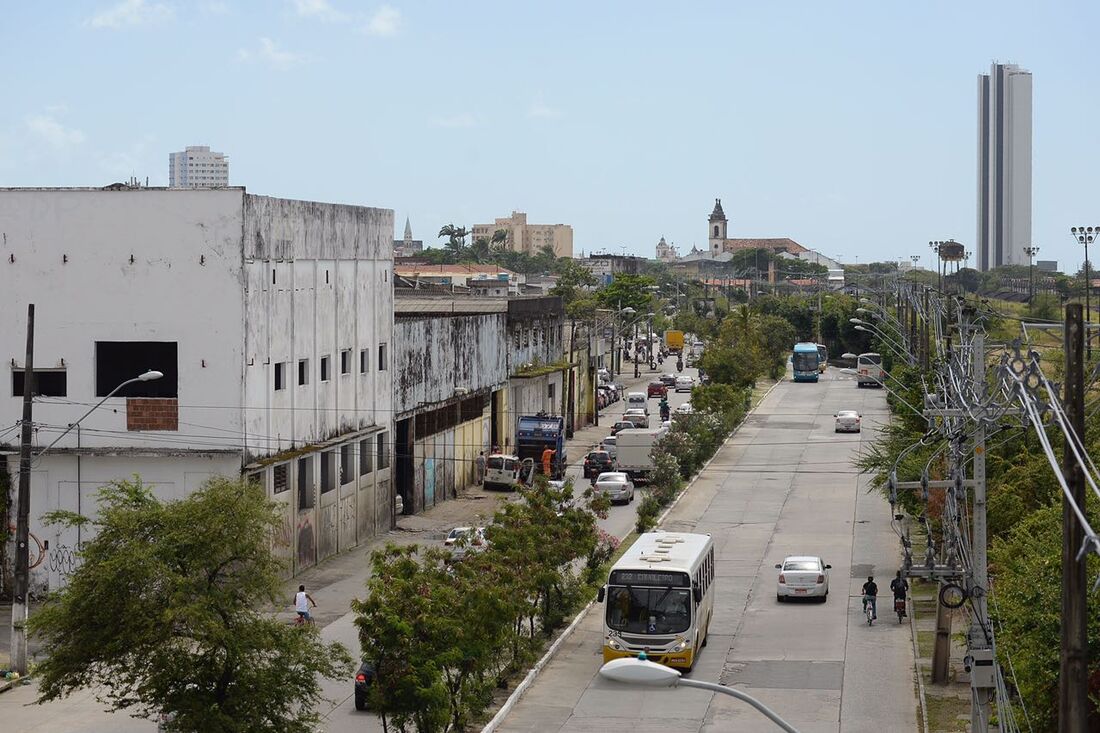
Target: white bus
x=660 y=599
x=869 y=369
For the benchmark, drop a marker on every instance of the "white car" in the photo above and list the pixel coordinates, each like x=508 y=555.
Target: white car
x=802 y=576
x=474 y=535
x=611 y=445
x=685 y=409
x=616 y=486
x=685 y=384
x=847 y=421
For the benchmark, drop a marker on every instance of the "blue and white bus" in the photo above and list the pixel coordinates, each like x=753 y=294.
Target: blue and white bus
x=805 y=361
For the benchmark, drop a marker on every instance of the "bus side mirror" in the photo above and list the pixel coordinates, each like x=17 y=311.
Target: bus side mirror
x=697 y=594
x=600 y=594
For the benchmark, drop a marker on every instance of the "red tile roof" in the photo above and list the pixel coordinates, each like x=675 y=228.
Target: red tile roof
x=785 y=243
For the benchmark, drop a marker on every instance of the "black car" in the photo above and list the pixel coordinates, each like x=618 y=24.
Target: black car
x=669 y=380
x=363 y=680
x=597 y=462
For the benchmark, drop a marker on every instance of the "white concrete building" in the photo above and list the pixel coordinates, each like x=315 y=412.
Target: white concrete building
x=198 y=167
x=271 y=320
x=1004 y=166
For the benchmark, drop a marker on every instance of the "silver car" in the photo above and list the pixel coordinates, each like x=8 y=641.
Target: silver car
x=847 y=421
x=616 y=486
x=610 y=444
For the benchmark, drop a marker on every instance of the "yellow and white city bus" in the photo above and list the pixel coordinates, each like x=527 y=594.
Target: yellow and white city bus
x=660 y=598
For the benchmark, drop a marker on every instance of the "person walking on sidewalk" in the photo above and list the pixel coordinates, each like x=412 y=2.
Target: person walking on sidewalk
x=479 y=465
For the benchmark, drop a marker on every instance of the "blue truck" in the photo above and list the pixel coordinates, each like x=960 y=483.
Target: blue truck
x=536 y=433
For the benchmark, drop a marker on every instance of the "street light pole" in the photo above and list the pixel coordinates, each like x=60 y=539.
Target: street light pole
x=20 y=602
x=636 y=373
x=1031 y=252
x=1086 y=236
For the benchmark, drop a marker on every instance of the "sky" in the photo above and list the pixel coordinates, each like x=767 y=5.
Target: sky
x=850 y=127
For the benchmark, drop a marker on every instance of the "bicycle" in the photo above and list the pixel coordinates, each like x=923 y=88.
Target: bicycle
x=899 y=608
x=868 y=610
x=301 y=620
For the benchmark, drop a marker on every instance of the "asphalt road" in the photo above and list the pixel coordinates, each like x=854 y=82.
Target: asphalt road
x=784 y=485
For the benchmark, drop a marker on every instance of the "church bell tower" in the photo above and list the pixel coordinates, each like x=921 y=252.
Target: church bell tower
x=716 y=226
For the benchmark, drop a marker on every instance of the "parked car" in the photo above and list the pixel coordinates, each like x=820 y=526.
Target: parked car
x=364 y=678
x=656 y=389
x=847 y=421
x=597 y=462
x=475 y=536
x=685 y=383
x=611 y=445
x=802 y=576
x=621 y=425
x=669 y=380
x=616 y=486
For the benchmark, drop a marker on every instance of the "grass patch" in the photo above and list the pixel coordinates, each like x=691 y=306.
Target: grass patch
x=926 y=640
x=947 y=714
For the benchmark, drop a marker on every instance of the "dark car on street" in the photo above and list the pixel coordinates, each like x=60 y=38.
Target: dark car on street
x=622 y=425
x=669 y=380
x=597 y=462
x=364 y=678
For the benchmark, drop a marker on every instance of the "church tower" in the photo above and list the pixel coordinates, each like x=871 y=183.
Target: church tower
x=408 y=232
x=716 y=226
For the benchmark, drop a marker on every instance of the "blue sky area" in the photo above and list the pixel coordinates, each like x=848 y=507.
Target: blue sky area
x=848 y=126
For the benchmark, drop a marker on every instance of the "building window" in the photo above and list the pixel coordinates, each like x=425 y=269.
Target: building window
x=382 y=356
x=120 y=361
x=715 y=231
x=324 y=368
x=346 y=473
x=279 y=482
x=365 y=456
x=345 y=361
x=364 y=362
x=550 y=391
x=44 y=383
x=328 y=468
x=303 y=372
x=515 y=338
x=383 y=450
x=280 y=375
x=305 y=483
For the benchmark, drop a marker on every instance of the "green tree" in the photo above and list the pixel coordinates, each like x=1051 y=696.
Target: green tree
x=456 y=241
x=628 y=290
x=167 y=607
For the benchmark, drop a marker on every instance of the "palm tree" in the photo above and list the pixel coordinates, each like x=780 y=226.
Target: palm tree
x=480 y=250
x=456 y=241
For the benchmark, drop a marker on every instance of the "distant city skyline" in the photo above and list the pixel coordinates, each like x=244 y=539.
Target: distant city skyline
x=626 y=137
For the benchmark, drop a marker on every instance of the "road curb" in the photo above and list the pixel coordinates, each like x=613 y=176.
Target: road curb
x=523 y=686
x=916 y=666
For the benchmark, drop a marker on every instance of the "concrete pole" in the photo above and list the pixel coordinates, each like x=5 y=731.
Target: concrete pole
x=20 y=600
x=1073 y=678
x=980 y=707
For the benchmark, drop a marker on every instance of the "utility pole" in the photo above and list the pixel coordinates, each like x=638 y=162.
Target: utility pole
x=1073 y=678
x=20 y=600
x=982 y=667
x=924 y=338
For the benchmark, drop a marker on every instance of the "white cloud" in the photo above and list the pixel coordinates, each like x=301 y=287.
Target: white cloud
x=384 y=22
x=540 y=110
x=47 y=128
x=319 y=9
x=460 y=120
x=271 y=55
x=215 y=7
x=132 y=13
x=137 y=160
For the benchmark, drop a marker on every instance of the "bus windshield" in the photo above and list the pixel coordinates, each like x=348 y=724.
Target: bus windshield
x=648 y=610
x=870 y=358
x=804 y=361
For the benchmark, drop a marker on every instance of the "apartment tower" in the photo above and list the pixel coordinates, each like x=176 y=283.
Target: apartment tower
x=1004 y=166
x=198 y=167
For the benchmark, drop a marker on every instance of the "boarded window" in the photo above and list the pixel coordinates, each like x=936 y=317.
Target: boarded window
x=119 y=361
x=305 y=483
x=383 y=450
x=46 y=383
x=328 y=468
x=279 y=482
x=346 y=471
x=365 y=456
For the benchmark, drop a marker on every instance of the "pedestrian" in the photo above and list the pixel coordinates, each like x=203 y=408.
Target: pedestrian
x=479 y=464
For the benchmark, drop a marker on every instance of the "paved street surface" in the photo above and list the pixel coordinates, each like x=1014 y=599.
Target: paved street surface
x=335 y=583
x=784 y=485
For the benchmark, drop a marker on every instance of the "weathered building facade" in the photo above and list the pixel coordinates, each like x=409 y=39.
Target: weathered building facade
x=450 y=370
x=271 y=321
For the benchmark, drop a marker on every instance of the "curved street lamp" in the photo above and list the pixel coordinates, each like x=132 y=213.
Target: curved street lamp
x=636 y=671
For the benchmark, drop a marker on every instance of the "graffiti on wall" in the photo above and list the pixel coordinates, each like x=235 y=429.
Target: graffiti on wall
x=64 y=560
x=306 y=547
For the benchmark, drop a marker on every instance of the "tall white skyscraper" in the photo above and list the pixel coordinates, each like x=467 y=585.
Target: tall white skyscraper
x=1004 y=166
x=198 y=167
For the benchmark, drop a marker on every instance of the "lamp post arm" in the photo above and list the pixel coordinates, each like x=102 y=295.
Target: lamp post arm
x=722 y=689
x=72 y=425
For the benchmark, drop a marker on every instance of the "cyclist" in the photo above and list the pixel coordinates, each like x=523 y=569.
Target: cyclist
x=301 y=605
x=870 y=591
x=900 y=586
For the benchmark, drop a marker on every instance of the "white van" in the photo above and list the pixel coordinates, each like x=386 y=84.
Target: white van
x=637 y=401
x=869 y=369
